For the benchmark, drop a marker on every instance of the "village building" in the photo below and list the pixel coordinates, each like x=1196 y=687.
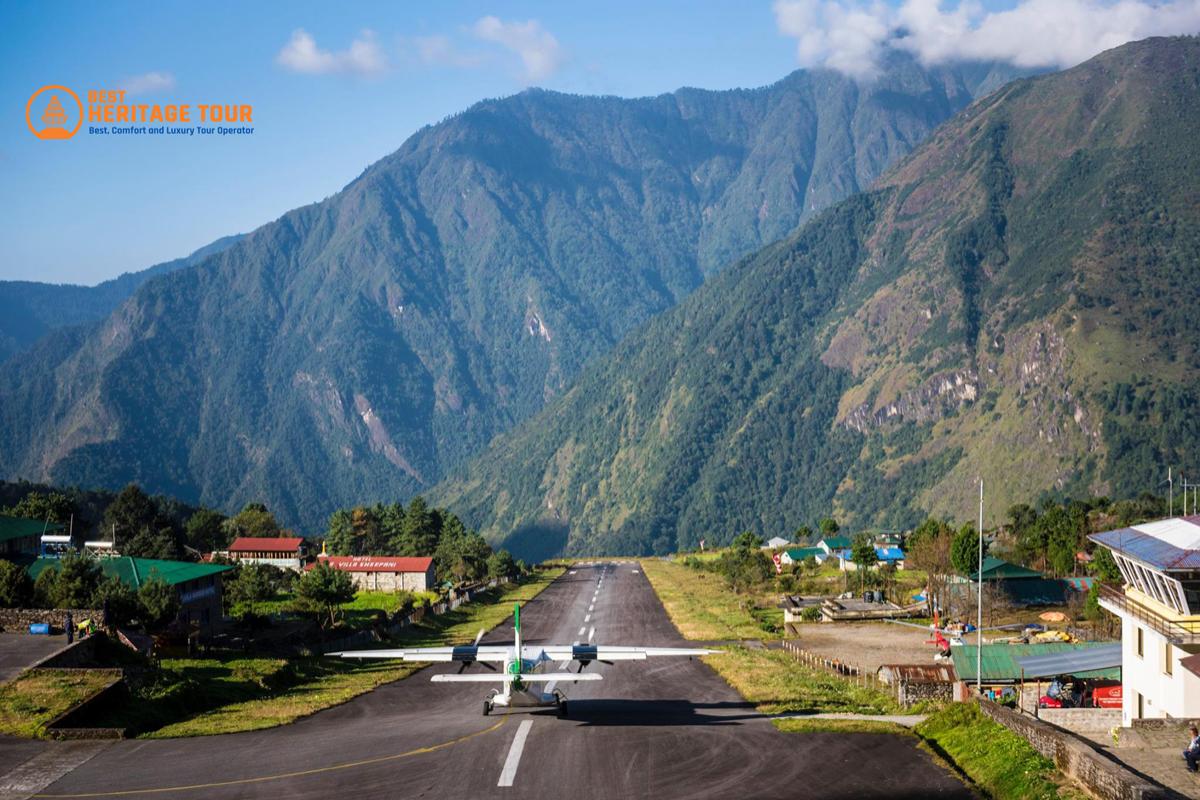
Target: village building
x=832 y=544
x=198 y=586
x=775 y=542
x=22 y=537
x=385 y=573
x=1020 y=585
x=1159 y=608
x=285 y=552
x=798 y=555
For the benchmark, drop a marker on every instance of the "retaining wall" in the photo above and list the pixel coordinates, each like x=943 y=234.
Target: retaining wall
x=1074 y=757
x=1082 y=720
x=65 y=725
x=18 y=620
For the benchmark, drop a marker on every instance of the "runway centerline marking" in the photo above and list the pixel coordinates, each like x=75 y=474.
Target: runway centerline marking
x=587 y=619
x=283 y=775
x=509 y=773
x=582 y=628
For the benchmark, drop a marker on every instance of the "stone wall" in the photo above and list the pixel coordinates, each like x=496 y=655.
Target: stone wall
x=1082 y=720
x=18 y=620
x=79 y=655
x=68 y=724
x=1076 y=758
x=908 y=694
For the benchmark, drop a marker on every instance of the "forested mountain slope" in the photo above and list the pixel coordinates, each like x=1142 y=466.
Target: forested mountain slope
x=29 y=309
x=1015 y=300
x=354 y=349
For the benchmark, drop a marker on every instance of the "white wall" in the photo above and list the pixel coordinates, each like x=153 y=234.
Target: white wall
x=1165 y=695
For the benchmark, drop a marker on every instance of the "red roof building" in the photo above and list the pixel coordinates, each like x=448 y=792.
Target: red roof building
x=286 y=552
x=385 y=573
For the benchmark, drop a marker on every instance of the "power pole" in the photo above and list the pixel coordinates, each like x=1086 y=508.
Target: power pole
x=979 y=603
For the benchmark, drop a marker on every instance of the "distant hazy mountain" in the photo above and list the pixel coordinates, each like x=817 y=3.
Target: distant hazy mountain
x=29 y=309
x=356 y=348
x=1016 y=300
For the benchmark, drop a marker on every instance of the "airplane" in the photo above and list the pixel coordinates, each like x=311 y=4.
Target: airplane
x=523 y=664
x=956 y=635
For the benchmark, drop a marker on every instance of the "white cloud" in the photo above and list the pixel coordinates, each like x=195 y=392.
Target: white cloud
x=850 y=35
x=301 y=54
x=438 y=50
x=539 y=51
x=148 y=83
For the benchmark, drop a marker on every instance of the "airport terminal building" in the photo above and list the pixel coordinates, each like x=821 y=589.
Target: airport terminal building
x=1159 y=608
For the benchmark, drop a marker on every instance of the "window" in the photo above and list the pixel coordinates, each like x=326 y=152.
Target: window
x=1141 y=704
x=1168 y=658
x=1140 y=646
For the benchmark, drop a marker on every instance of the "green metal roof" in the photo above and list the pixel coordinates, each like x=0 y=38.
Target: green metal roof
x=136 y=571
x=995 y=569
x=837 y=542
x=20 y=528
x=800 y=553
x=1000 y=660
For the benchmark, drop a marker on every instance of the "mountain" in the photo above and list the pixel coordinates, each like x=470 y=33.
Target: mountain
x=356 y=348
x=1015 y=300
x=29 y=309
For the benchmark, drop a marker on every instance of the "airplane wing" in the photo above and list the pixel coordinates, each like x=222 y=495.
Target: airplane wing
x=604 y=652
x=536 y=677
x=465 y=653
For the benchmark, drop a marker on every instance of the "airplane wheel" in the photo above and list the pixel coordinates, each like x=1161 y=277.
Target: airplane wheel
x=562 y=708
x=487 y=708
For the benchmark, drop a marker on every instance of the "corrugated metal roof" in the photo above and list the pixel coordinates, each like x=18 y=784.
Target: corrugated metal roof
x=136 y=571
x=995 y=569
x=1072 y=663
x=919 y=673
x=1001 y=661
x=21 y=528
x=1150 y=548
x=801 y=553
x=889 y=553
x=271 y=544
x=836 y=542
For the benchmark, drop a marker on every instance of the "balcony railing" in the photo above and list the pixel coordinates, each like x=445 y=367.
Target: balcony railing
x=1174 y=632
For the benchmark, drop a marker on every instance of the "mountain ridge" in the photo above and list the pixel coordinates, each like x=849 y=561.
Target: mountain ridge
x=383 y=335
x=977 y=314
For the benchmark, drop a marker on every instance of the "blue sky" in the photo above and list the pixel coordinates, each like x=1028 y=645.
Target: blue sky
x=336 y=86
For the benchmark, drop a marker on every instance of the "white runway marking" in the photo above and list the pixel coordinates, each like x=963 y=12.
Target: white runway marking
x=592 y=607
x=509 y=773
x=587 y=619
x=592 y=634
x=581 y=630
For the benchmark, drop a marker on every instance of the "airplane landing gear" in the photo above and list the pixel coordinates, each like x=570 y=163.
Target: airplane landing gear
x=562 y=708
x=487 y=707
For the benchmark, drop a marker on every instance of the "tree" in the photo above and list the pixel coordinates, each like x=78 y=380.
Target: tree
x=45 y=587
x=324 y=588
x=339 y=538
x=964 y=551
x=744 y=565
x=77 y=580
x=253 y=583
x=749 y=539
x=420 y=531
x=929 y=549
x=141 y=528
x=803 y=535
x=119 y=599
x=158 y=602
x=828 y=526
x=1104 y=566
x=862 y=551
x=16 y=587
x=44 y=506
x=501 y=565
x=253 y=520
x=204 y=530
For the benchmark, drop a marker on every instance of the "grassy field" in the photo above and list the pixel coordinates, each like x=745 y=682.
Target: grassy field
x=702 y=607
x=1000 y=762
x=197 y=697
x=35 y=698
x=776 y=683
x=819 y=725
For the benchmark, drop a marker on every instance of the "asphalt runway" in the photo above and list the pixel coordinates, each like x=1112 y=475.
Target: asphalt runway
x=663 y=728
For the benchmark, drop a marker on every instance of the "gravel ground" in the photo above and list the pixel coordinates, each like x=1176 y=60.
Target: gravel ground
x=868 y=644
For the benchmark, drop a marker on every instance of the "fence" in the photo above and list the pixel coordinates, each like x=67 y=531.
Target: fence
x=400 y=623
x=853 y=673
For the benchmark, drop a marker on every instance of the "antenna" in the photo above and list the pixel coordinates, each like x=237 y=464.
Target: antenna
x=1171 y=495
x=979 y=603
